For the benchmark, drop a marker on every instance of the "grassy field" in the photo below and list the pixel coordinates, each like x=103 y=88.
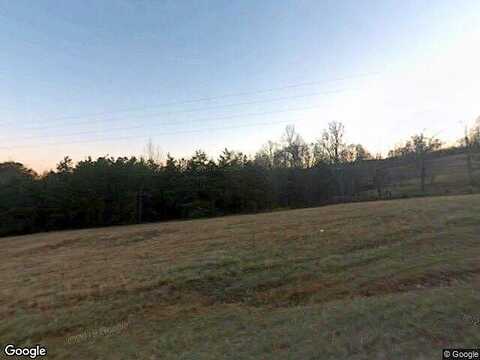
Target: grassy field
x=445 y=175
x=379 y=280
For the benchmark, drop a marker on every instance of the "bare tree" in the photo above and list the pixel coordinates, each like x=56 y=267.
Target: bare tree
x=295 y=148
x=471 y=142
x=360 y=153
x=475 y=134
x=380 y=180
x=266 y=155
x=418 y=147
x=331 y=147
x=153 y=153
x=422 y=146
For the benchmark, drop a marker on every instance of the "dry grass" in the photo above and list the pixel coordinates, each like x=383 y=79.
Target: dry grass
x=446 y=175
x=396 y=280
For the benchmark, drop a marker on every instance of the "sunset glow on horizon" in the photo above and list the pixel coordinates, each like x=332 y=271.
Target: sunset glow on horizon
x=104 y=79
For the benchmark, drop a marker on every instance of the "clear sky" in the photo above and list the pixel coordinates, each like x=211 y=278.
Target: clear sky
x=94 y=78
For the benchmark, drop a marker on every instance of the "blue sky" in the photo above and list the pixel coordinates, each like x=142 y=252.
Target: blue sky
x=102 y=77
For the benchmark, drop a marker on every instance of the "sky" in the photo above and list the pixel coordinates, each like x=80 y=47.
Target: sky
x=98 y=78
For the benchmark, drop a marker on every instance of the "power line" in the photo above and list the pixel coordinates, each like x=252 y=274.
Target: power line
x=143 y=116
x=150 y=135
x=203 y=99
x=178 y=102
x=178 y=122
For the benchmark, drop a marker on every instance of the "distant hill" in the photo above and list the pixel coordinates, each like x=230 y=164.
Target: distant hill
x=446 y=174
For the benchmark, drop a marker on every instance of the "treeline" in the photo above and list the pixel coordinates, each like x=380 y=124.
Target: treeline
x=285 y=174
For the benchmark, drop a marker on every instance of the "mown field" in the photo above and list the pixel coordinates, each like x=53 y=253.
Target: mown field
x=379 y=280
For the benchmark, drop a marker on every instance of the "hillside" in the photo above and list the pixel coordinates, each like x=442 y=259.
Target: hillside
x=388 y=279
x=446 y=174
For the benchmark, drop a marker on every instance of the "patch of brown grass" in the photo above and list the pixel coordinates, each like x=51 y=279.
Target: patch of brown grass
x=58 y=284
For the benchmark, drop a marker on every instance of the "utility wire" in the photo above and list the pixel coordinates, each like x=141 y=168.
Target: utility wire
x=203 y=99
x=174 y=123
x=149 y=135
x=143 y=116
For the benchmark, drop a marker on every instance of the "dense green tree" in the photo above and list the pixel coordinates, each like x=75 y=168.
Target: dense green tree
x=108 y=191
